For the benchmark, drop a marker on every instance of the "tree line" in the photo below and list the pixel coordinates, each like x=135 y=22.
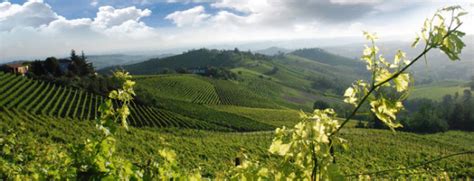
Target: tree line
x=453 y=112
x=422 y=115
x=75 y=71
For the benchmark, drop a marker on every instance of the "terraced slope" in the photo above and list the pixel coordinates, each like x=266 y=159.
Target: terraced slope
x=180 y=87
x=202 y=90
x=41 y=98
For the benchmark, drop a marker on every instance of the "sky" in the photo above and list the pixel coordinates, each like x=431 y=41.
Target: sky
x=41 y=28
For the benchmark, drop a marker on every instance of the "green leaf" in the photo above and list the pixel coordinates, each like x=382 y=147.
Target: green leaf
x=401 y=82
x=417 y=40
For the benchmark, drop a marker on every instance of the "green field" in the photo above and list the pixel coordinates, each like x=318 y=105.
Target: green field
x=185 y=88
x=275 y=117
x=43 y=98
x=214 y=152
x=288 y=81
x=210 y=121
x=436 y=91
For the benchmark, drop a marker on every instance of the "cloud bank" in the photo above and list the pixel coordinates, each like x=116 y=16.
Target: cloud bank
x=34 y=29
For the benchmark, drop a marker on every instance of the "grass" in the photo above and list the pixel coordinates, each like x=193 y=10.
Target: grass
x=436 y=91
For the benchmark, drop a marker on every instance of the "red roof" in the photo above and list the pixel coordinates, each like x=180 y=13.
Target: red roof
x=15 y=65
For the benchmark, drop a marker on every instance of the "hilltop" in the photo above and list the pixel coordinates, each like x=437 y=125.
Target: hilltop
x=292 y=80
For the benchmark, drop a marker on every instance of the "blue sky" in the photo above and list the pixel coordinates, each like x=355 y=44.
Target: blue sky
x=35 y=28
x=83 y=8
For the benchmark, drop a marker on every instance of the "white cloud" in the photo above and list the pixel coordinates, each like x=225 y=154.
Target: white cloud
x=94 y=3
x=183 y=1
x=32 y=13
x=108 y=16
x=248 y=6
x=355 y=1
x=64 y=25
x=34 y=29
x=191 y=17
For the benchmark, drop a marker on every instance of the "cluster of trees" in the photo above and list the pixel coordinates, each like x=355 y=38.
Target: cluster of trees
x=326 y=84
x=422 y=115
x=74 y=71
x=471 y=84
x=453 y=112
x=53 y=67
x=210 y=71
x=272 y=72
x=220 y=73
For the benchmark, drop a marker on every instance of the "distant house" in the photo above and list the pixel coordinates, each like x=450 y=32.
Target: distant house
x=198 y=70
x=16 y=68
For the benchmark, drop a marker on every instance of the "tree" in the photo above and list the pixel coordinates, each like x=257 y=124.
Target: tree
x=51 y=64
x=426 y=116
x=456 y=118
x=79 y=65
x=37 y=68
x=447 y=104
x=319 y=104
x=468 y=118
x=471 y=84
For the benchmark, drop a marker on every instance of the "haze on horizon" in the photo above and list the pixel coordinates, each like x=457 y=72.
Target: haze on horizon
x=40 y=28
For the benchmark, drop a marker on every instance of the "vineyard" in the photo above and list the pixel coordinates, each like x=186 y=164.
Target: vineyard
x=43 y=98
x=185 y=88
x=274 y=117
x=249 y=91
x=233 y=94
x=201 y=90
x=213 y=152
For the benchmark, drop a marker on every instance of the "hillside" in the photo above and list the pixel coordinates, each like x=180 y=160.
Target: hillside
x=288 y=81
x=437 y=90
x=192 y=59
x=438 y=67
x=325 y=57
x=42 y=98
x=213 y=152
x=271 y=51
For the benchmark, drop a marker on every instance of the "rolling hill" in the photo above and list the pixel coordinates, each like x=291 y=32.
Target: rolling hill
x=437 y=90
x=293 y=80
x=209 y=121
x=189 y=110
x=437 y=66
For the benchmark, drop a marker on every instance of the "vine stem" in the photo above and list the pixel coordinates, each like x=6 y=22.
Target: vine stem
x=372 y=89
x=413 y=166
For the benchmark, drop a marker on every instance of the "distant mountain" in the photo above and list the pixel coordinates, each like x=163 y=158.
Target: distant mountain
x=438 y=66
x=102 y=61
x=273 y=51
x=323 y=56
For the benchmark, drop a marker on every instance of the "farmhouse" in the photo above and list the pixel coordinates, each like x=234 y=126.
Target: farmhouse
x=198 y=70
x=17 y=68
